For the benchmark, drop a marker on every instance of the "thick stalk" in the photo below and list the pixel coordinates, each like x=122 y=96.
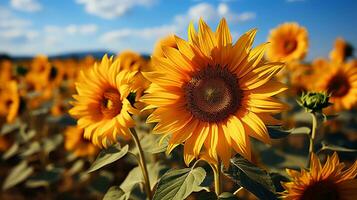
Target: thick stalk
x=312 y=137
x=217 y=178
x=142 y=163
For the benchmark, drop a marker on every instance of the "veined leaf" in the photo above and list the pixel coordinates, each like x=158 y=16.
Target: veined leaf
x=252 y=178
x=18 y=174
x=107 y=156
x=178 y=184
x=115 y=193
x=136 y=177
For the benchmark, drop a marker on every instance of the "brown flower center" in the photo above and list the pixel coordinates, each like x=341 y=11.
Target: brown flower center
x=290 y=46
x=212 y=94
x=338 y=86
x=326 y=190
x=111 y=103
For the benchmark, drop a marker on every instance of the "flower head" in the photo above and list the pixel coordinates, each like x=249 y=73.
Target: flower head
x=314 y=101
x=289 y=42
x=212 y=94
x=339 y=81
x=341 y=51
x=101 y=105
x=75 y=143
x=9 y=101
x=322 y=182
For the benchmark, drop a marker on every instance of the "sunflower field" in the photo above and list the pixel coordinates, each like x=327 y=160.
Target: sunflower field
x=213 y=116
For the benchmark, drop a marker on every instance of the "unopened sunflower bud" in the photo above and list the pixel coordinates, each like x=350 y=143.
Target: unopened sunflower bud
x=314 y=101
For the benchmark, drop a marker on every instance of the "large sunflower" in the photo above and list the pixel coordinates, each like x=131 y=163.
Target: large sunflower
x=212 y=94
x=289 y=42
x=101 y=105
x=328 y=182
x=340 y=80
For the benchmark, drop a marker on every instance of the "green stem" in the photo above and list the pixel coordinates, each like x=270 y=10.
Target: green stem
x=142 y=163
x=312 y=137
x=217 y=178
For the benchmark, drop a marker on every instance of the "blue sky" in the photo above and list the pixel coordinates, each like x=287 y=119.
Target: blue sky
x=29 y=27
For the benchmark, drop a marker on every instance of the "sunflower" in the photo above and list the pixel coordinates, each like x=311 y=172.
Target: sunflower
x=329 y=182
x=340 y=80
x=9 y=101
x=340 y=51
x=135 y=62
x=289 y=42
x=5 y=71
x=212 y=94
x=101 y=105
x=166 y=41
x=76 y=143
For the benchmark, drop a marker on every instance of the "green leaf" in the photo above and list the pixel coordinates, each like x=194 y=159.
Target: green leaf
x=50 y=144
x=18 y=174
x=332 y=147
x=108 y=156
x=11 y=151
x=76 y=167
x=8 y=128
x=227 y=196
x=31 y=149
x=115 y=193
x=251 y=177
x=178 y=184
x=44 y=179
x=276 y=132
x=135 y=177
x=155 y=146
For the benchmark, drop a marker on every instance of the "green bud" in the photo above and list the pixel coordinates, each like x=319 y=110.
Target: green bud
x=314 y=101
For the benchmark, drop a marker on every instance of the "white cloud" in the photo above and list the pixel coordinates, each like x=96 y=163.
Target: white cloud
x=145 y=33
x=14 y=29
x=110 y=9
x=211 y=13
x=72 y=29
x=26 y=5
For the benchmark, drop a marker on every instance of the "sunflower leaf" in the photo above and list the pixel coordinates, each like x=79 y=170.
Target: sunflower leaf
x=251 y=177
x=108 y=156
x=276 y=132
x=332 y=147
x=115 y=193
x=135 y=177
x=178 y=184
x=18 y=174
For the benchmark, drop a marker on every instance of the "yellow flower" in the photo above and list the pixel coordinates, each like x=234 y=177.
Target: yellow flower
x=289 y=42
x=134 y=62
x=212 y=94
x=9 y=101
x=101 y=105
x=339 y=79
x=168 y=41
x=75 y=143
x=340 y=50
x=5 y=71
x=322 y=182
